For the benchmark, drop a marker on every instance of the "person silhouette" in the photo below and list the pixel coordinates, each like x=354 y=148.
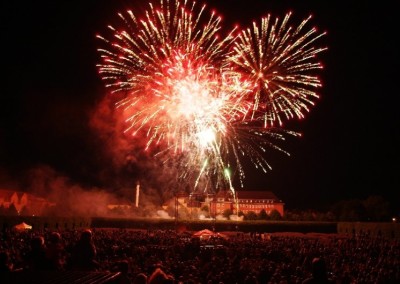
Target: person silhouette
x=36 y=256
x=84 y=253
x=55 y=252
x=319 y=272
x=5 y=265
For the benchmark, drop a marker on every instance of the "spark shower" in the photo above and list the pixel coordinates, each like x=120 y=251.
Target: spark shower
x=204 y=98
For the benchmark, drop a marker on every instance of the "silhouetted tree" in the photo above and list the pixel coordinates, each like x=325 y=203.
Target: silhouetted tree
x=377 y=208
x=292 y=215
x=349 y=210
x=327 y=216
x=12 y=211
x=205 y=210
x=170 y=210
x=275 y=215
x=308 y=215
x=3 y=210
x=330 y=216
x=227 y=213
x=263 y=215
x=117 y=211
x=251 y=216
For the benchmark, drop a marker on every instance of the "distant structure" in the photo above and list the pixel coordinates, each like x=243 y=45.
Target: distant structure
x=137 y=195
x=245 y=201
x=23 y=202
x=127 y=203
x=259 y=200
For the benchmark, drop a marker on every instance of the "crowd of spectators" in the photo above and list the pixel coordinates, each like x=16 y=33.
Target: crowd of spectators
x=165 y=256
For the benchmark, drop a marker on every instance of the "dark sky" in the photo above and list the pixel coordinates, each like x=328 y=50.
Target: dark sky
x=349 y=146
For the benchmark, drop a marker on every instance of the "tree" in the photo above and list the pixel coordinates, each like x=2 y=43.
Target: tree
x=349 y=210
x=3 y=210
x=292 y=215
x=117 y=211
x=275 y=215
x=12 y=211
x=263 y=215
x=251 y=216
x=376 y=208
x=227 y=213
x=205 y=208
x=170 y=210
x=205 y=211
x=308 y=215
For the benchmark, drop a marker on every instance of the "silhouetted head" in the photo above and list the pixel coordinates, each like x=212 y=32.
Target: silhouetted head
x=4 y=257
x=37 y=242
x=319 y=268
x=55 y=237
x=140 y=278
x=86 y=235
x=123 y=266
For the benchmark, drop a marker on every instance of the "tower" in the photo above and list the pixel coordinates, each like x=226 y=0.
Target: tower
x=137 y=194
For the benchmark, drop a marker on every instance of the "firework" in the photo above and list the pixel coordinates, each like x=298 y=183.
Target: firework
x=208 y=99
x=281 y=61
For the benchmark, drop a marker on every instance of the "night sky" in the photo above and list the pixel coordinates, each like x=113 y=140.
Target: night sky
x=350 y=138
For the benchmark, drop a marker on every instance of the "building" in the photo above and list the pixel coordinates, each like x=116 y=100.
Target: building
x=23 y=201
x=16 y=198
x=245 y=201
x=258 y=200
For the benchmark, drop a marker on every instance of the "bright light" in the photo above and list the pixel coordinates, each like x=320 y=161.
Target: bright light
x=206 y=137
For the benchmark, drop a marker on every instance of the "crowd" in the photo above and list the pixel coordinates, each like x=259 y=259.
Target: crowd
x=169 y=257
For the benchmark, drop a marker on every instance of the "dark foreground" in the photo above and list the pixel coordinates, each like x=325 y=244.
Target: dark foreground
x=232 y=257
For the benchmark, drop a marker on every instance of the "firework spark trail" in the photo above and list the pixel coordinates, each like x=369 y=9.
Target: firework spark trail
x=211 y=101
x=280 y=61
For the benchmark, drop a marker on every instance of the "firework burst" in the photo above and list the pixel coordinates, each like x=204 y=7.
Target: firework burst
x=207 y=99
x=281 y=61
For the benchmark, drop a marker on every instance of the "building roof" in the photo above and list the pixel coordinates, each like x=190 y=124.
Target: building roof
x=257 y=195
x=6 y=194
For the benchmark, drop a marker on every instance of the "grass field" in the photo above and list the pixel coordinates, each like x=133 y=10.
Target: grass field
x=309 y=229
